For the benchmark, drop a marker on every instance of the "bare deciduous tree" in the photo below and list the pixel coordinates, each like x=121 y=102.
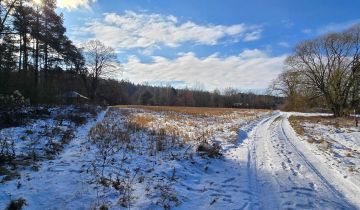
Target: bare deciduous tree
x=100 y=62
x=288 y=85
x=330 y=67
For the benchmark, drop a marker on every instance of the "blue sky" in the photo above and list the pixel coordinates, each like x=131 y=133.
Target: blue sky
x=204 y=43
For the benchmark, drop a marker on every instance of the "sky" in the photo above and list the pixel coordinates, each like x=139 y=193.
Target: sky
x=204 y=44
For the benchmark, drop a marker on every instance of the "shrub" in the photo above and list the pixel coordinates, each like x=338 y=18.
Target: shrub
x=7 y=150
x=78 y=120
x=168 y=197
x=326 y=145
x=160 y=140
x=4 y=171
x=67 y=136
x=16 y=204
x=311 y=140
x=13 y=102
x=103 y=207
x=10 y=107
x=10 y=176
x=211 y=151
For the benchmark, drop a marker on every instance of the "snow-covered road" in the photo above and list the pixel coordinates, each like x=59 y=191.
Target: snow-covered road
x=283 y=173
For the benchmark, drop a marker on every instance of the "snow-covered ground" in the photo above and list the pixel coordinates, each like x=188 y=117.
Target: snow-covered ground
x=147 y=159
x=334 y=148
x=297 y=177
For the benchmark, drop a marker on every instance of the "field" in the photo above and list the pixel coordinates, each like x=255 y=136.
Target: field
x=148 y=157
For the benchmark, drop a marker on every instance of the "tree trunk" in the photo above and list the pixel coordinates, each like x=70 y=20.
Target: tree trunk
x=94 y=84
x=338 y=110
x=20 y=53
x=25 y=54
x=46 y=49
x=37 y=64
x=36 y=75
x=46 y=62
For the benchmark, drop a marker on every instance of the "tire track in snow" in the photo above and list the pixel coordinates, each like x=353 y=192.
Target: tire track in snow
x=309 y=165
x=252 y=168
x=274 y=186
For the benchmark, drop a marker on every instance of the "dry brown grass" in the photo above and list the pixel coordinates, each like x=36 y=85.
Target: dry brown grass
x=234 y=128
x=186 y=138
x=138 y=122
x=349 y=154
x=326 y=145
x=340 y=122
x=195 y=111
x=311 y=140
x=173 y=117
x=296 y=124
x=184 y=124
x=171 y=130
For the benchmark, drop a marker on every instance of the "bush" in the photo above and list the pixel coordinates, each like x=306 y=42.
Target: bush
x=7 y=150
x=78 y=120
x=103 y=207
x=168 y=197
x=211 y=151
x=160 y=140
x=13 y=102
x=10 y=109
x=16 y=204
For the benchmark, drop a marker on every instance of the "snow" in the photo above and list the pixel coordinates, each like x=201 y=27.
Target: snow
x=57 y=182
x=264 y=164
x=331 y=162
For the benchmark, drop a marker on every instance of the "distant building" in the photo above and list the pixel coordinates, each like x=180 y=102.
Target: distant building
x=240 y=105
x=73 y=97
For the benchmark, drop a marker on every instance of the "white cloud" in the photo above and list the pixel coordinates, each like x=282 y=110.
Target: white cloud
x=255 y=53
x=74 y=4
x=252 y=36
x=249 y=70
x=144 y=30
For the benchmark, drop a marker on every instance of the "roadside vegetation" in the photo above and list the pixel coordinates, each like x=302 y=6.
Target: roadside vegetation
x=336 y=138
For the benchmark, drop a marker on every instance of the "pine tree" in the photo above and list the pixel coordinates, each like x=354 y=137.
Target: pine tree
x=22 y=20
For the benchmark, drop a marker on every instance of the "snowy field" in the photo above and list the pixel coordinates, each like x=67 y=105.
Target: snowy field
x=181 y=158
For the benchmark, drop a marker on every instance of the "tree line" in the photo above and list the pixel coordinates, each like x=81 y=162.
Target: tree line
x=323 y=73
x=125 y=92
x=38 y=59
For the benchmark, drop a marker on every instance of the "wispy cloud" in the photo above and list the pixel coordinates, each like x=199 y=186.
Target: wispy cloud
x=307 y=31
x=284 y=44
x=336 y=27
x=239 y=71
x=144 y=30
x=74 y=4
